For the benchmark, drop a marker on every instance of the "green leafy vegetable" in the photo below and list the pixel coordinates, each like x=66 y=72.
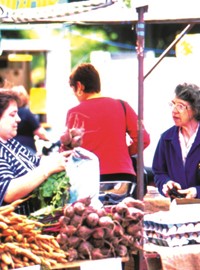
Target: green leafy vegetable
x=54 y=191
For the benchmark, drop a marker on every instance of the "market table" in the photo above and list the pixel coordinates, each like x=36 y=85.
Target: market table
x=173 y=258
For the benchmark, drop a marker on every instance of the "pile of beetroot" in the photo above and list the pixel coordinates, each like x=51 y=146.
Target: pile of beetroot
x=87 y=233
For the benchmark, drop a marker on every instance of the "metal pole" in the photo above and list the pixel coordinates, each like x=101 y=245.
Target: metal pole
x=185 y=30
x=140 y=29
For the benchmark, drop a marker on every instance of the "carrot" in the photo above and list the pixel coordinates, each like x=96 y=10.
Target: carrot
x=3 y=225
x=3 y=266
x=7 y=209
x=44 y=246
x=44 y=237
x=6 y=259
x=9 y=238
x=4 y=219
x=19 y=201
x=29 y=254
x=19 y=238
x=12 y=232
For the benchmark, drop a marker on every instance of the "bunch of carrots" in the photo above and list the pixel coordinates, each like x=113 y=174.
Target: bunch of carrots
x=23 y=243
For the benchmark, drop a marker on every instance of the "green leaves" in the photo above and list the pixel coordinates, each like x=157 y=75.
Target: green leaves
x=54 y=191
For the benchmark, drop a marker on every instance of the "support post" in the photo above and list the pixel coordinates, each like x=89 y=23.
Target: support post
x=140 y=29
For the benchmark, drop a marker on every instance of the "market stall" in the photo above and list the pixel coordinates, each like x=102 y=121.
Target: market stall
x=180 y=14
x=109 y=12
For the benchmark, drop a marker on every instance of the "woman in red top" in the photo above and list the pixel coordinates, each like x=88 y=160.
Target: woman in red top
x=105 y=122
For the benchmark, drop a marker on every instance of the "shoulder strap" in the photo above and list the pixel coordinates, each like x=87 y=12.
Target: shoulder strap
x=123 y=105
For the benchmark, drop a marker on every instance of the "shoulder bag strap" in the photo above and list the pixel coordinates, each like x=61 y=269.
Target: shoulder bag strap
x=123 y=105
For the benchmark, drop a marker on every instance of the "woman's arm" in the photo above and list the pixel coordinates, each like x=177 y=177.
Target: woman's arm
x=22 y=186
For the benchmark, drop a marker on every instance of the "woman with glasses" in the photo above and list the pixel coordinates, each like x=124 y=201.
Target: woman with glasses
x=176 y=163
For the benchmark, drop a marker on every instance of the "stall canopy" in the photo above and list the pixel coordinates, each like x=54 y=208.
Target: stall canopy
x=99 y=11
x=108 y=12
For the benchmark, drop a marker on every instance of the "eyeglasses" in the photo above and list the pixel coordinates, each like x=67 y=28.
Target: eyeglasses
x=179 y=107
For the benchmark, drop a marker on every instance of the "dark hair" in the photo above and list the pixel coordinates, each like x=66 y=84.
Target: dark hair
x=6 y=96
x=88 y=76
x=2 y=81
x=191 y=94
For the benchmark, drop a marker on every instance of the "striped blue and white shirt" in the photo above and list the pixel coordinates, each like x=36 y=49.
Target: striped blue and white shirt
x=15 y=161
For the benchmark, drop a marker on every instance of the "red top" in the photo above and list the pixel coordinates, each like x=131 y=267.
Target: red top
x=105 y=123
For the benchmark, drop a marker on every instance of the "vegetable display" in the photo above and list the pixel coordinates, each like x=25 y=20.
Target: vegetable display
x=23 y=243
x=54 y=191
x=88 y=233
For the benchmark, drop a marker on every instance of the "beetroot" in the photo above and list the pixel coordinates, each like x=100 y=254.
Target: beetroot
x=122 y=250
x=64 y=220
x=86 y=201
x=97 y=243
x=117 y=216
x=134 y=214
x=66 y=137
x=106 y=251
x=97 y=254
x=118 y=229
x=101 y=212
x=133 y=229
x=79 y=208
x=92 y=219
x=76 y=220
x=77 y=132
x=74 y=241
x=68 y=230
x=76 y=141
x=85 y=249
x=108 y=233
x=121 y=208
x=98 y=233
x=106 y=222
x=61 y=238
x=84 y=232
x=72 y=254
x=68 y=210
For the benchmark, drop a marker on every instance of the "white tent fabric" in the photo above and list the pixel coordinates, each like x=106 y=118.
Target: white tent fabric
x=105 y=11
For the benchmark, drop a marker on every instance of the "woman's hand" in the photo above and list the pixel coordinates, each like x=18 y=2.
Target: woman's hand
x=55 y=162
x=170 y=185
x=189 y=192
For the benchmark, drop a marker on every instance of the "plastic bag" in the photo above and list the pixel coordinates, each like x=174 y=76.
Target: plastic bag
x=83 y=171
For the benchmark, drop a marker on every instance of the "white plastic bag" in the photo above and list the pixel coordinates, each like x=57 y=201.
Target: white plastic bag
x=83 y=171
